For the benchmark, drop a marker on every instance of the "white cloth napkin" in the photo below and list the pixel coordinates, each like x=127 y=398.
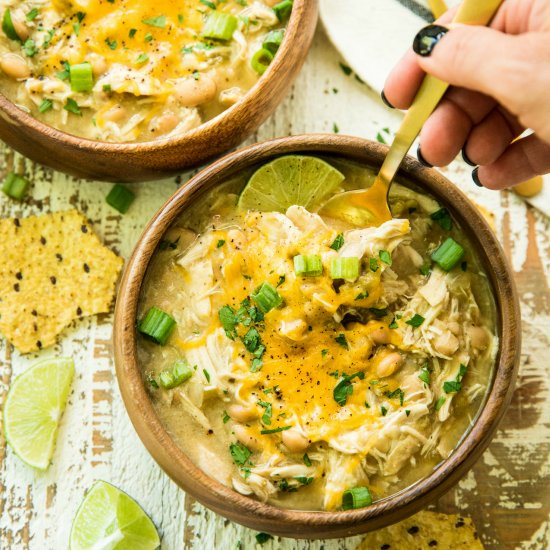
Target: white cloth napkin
x=372 y=35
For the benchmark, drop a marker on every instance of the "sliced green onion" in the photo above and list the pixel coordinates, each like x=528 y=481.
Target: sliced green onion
x=261 y=60
x=45 y=105
x=142 y=58
x=443 y=218
x=266 y=297
x=82 y=78
x=308 y=266
x=220 y=26
x=440 y=402
x=275 y=430
x=448 y=254
x=8 y=28
x=283 y=9
x=179 y=373
x=120 y=198
x=29 y=47
x=358 y=497
x=273 y=40
x=344 y=268
x=157 y=325
x=15 y=186
x=425 y=375
x=33 y=14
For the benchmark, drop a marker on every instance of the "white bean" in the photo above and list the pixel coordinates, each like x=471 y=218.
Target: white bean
x=14 y=66
x=242 y=433
x=380 y=336
x=389 y=364
x=191 y=92
x=446 y=343
x=115 y=114
x=163 y=124
x=98 y=63
x=454 y=327
x=478 y=337
x=19 y=25
x=294 y=441
x=241 y=413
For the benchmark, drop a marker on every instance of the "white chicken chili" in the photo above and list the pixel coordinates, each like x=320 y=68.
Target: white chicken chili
x=311 y=365
x=134 y=70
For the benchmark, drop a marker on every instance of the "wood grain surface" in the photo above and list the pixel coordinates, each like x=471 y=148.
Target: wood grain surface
x=508 y=491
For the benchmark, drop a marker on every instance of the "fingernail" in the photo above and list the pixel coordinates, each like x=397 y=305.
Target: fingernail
x=467 y=158
x=385 y=100
x=475 y=177
x=421 y=158
x=426 y=40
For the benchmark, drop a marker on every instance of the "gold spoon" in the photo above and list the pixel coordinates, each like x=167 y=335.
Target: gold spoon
x=369 y=207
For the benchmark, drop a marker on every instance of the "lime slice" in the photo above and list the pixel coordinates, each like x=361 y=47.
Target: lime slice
x=34 y=406
x=289 y=180
x=109 y=519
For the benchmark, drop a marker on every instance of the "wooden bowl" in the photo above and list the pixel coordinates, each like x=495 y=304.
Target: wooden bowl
x=300 y=524
x=127 y=162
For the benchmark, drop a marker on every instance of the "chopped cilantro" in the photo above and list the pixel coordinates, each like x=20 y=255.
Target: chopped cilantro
x=208 y=3
x=226 y=417
x=46 y=105
x=282 y=279
x=266 y=417
x=251 y=340
x=307 y=460
x=415 y=321
x=111 y=43
x=396 y=393
x=335 y=128
x=385 y=256
x=440 y=402
x=239 y=453
x=275 y=430
x=380 y=138
x=220 y=243
x=407 y=412
x=443 y=218
x=132 y=33
x=451 y=386
x=338 y=242
x=206 y=375
x=424 y=374
x=393 y=324
x=324 y=352
x=378 y=312
x=262 y=537
x=341 y=340
x=304 y=480
x=159 y=22
x=344 y=388
x=72 y=107
x=346 y=70
x=32 y=15
x=426 y=268
x=148 y=37
x=142 y=58
x=383 y=410
x=362 y=295
x=373 y=264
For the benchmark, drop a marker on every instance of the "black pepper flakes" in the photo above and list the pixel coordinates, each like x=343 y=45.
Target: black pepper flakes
x=16 y=287
x=413 y=530
x=86 y=268
x=19 y=275
x=59 y=257
x=432 y=543
x=34 y=313
x=43 y=240
x=79 y=311
x=39 y=344
x=84 y=228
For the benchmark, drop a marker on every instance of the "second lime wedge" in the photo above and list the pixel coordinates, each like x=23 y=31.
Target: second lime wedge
x=34 y=405
x=108 y=519
x=289 y=180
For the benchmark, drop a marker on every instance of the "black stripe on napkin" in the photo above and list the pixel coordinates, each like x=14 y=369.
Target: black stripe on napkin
x=418 y=9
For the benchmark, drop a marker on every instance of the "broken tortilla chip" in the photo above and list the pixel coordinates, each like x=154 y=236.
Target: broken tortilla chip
x=54 y=269
x=425 y=530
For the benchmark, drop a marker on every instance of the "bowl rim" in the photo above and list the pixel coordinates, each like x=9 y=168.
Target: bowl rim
x=293 y=27
x=225 y=500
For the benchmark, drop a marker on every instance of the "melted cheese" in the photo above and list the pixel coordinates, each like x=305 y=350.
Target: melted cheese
x=303 y=361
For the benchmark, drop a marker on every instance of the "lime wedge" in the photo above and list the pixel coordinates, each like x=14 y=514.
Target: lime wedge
x=109 y=519
x=289 y=180
x=34 y=406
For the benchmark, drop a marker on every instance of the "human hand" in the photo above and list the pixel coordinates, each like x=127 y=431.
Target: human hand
x=500 y=79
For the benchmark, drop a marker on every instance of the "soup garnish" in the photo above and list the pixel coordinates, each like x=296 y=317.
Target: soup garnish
x=130 y=70
x=324 y=367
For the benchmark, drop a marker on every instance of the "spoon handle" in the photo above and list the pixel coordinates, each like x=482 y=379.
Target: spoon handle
x=471 y=12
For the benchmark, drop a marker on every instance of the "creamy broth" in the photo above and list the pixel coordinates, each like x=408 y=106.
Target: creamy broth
x=130 y=70
x=367 y=382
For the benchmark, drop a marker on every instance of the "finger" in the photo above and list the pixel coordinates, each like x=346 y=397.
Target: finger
x=490 y=138
x=405 y=78
x=524 y=159
x=460 y=110
x=484 y=60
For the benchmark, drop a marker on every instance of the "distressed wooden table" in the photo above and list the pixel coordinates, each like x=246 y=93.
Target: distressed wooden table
x=507 y=493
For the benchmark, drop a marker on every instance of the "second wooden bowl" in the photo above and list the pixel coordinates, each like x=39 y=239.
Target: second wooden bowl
x=149 y=160
x=302 y=524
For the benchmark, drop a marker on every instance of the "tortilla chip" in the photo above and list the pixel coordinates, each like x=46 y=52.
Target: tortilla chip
x=53 y=270
x=424 y=531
